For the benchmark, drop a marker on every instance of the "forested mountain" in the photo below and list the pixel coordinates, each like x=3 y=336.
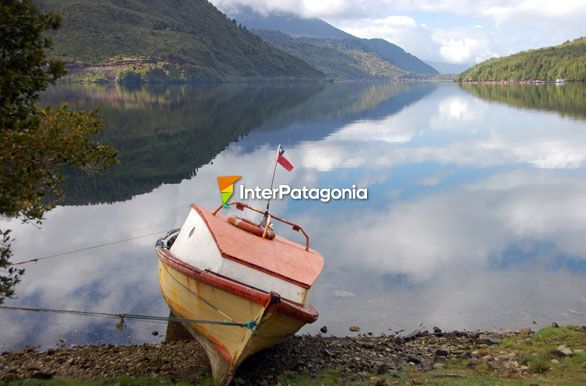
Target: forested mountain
x=337 y=58
x=336 y=53
x=350 y=58
x=566 y=61
x=397 y=56
x=167 y=39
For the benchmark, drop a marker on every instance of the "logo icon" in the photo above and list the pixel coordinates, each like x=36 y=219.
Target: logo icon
x=226 y=185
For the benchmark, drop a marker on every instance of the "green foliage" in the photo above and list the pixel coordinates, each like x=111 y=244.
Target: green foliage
x=566 y=61
x=165 y=72
x=30 y=172
x=35 y=143
x=191 y=35
x=23 y=67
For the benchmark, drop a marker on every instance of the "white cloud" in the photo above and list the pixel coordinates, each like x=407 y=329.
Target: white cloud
x=507 y=26
x=537 y=12
x=458 y=49
x=401 y=30
x=305 y=8
x=453 y=45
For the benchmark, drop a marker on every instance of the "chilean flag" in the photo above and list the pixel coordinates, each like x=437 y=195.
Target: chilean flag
x=284 y=162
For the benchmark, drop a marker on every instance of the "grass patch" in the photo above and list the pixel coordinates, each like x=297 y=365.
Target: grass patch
x=539 y=350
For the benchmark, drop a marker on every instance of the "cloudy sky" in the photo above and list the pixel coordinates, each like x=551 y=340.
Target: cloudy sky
x=453 y=31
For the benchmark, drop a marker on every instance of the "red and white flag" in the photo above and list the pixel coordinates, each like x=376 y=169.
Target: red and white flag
x=284 y=162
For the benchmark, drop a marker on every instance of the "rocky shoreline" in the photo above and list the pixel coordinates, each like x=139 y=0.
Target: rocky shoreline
x=361 y=359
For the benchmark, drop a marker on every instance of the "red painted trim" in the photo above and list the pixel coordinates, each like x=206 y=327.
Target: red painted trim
x=220 y=348
x=304 y=314
x=234 y=258
x=215 y=342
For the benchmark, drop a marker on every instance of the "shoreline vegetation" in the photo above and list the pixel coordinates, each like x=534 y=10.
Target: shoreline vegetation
x=562 y=63
x=551 y=356
x=522 y=82
x=143 y=71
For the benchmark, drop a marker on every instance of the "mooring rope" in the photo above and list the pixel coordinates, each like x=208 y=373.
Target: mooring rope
x=36 y=259
x=225 y=315
x=250 y=324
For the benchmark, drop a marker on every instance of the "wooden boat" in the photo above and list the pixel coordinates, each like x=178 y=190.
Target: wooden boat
x=227 y=271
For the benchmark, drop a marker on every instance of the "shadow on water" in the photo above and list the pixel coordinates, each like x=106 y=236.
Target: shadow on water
x=567 y=99
x=164 y=134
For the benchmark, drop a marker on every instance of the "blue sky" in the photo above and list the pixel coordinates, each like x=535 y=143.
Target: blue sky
x=452 y=31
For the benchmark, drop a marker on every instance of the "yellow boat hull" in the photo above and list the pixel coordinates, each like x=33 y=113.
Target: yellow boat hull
x=191 y=297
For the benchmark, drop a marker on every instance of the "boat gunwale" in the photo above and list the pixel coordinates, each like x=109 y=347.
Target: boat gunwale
x=294 y=310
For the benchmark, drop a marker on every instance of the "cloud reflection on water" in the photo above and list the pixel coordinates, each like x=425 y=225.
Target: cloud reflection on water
x=474 y=220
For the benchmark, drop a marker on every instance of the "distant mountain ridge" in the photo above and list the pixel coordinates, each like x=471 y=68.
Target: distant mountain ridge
x=331 y=50
x=399 y=57
x=448 y=68
x=339 y=59
x=167 y=40
x=289 y=24
x=566 y=61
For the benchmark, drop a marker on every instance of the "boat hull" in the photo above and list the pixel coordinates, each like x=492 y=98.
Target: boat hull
x=194 y=294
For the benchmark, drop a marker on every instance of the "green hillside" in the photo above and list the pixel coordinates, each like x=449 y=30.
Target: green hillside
x=396 y=55
x=566 y=61
x=333 y=38
x=157 y=39
x=337 y=58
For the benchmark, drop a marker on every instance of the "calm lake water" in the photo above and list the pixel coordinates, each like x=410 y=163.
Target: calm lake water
x=476 y=217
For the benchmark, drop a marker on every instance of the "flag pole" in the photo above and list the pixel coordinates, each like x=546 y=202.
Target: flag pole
x=273 y=179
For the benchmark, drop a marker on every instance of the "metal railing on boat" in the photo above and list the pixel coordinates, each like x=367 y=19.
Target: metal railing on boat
x=295 y=227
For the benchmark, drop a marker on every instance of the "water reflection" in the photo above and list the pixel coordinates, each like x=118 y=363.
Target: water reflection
x=164 y=134
x=474 y=218
x=569 y=100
